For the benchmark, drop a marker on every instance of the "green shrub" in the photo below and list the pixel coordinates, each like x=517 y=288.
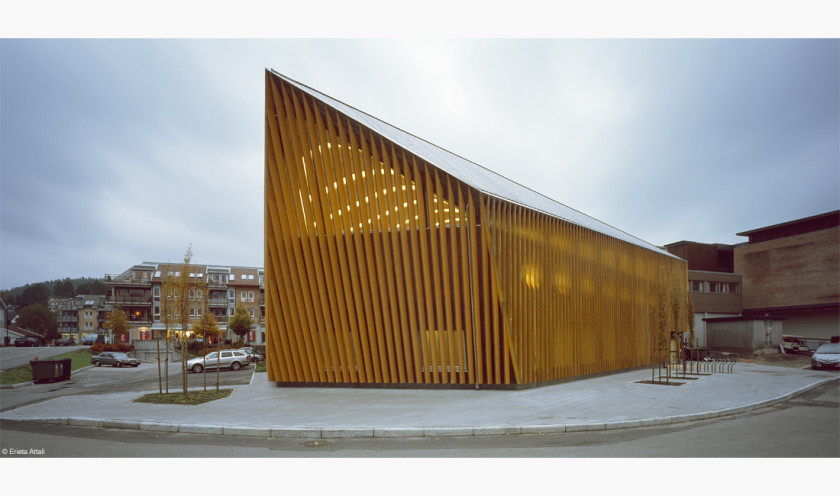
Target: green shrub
x=100 y=347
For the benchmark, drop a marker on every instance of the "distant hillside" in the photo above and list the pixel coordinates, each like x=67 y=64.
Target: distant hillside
x=58 y=287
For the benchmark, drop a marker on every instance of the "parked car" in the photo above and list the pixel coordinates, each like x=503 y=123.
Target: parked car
x=28 y=341
x=114 y=358
x=826 y=356
x=233 y=359
x=90 y=339
x=253 y=355
x=65 y=342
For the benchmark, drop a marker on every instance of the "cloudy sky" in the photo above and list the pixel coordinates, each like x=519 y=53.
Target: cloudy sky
x=116 y=152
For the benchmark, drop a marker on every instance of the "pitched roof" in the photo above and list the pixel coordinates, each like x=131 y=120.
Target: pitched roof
x=472 y=174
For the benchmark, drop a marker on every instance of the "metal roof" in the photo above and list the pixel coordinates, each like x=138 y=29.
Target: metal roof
x=472 y=174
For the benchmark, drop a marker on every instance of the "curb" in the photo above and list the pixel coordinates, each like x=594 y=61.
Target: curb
x=415 y=432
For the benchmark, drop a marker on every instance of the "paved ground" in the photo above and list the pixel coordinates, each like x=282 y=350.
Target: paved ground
x=608 y=402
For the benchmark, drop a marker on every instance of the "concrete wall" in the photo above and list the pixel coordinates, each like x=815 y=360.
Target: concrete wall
x=148 y=350
x=701 y=328
x=816 y=324
x=744 y=335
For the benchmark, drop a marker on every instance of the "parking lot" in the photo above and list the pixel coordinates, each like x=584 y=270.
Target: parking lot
x=101 y=380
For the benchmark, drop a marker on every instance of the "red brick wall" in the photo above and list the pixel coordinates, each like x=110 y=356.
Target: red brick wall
x=793 y=271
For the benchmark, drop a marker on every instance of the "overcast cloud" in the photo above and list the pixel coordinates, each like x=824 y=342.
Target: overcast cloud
x=116 y=152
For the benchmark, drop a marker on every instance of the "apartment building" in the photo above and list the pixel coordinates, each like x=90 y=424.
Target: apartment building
x=80 y=315
x=139 y=292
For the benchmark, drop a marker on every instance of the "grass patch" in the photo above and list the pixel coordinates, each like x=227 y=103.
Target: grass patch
x=78 y=359
x=196 y=397
x=260 y=367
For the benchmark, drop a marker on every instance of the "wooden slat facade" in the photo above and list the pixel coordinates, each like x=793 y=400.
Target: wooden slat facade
x=381 y=269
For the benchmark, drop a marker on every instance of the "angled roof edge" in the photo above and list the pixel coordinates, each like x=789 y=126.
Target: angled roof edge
x=474 y=175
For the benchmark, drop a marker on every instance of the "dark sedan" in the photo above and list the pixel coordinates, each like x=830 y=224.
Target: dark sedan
x=114 y=359
x=27 y=342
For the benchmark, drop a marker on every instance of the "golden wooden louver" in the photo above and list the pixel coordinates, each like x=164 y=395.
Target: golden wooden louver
x=389 y=261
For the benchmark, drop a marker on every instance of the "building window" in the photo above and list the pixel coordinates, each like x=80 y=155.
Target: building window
x=251 y=311
x=157 y=313
x=231 y=296
x=243 y=295
x=251 y=297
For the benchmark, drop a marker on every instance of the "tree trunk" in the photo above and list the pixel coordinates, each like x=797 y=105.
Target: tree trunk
x=160 y=379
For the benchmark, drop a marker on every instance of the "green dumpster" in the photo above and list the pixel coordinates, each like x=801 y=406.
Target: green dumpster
x=50 y=370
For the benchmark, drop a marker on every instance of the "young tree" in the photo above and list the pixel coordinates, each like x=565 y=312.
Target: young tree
x=117 y=323
x=180 y=288
x=206 y=326
x=40 y=319
x=241 y=322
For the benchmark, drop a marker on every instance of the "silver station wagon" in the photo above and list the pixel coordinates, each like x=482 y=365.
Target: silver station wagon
x=232 y=359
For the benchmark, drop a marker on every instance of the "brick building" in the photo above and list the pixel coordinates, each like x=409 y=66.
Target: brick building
x=785 y=278
x=715 y=288
x=791 y=271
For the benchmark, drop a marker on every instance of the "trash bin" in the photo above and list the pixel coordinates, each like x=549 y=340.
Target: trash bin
x=50 y=370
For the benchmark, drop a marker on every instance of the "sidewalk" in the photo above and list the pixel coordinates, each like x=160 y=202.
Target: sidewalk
x=607 y=402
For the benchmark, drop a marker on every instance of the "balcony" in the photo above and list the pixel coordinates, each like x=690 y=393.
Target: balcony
x=123 y=301
x=217 y=302
x=116 y=280
x=65 y=318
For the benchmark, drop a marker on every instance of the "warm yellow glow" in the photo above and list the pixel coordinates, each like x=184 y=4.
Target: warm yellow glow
x=531 y=278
